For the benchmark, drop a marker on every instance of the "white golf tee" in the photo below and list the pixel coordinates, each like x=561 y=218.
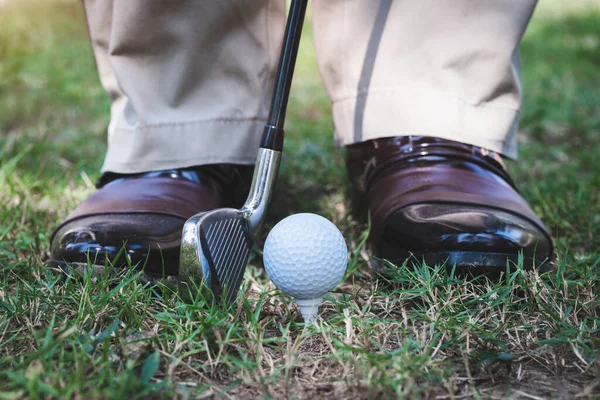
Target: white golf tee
x=309 y=308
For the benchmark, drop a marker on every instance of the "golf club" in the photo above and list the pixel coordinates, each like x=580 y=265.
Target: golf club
x=215 y=245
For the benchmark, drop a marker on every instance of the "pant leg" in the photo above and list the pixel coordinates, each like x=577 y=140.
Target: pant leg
x=423 y=67
x=190 y=80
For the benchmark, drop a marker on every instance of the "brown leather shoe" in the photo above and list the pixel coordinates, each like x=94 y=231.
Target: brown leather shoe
x=446 y=203
x=137 y=219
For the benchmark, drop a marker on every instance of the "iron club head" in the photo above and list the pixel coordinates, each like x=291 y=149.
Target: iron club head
x=215 y=248
x=215 y=245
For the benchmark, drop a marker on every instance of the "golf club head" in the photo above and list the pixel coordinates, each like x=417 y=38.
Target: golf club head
x=215 y=247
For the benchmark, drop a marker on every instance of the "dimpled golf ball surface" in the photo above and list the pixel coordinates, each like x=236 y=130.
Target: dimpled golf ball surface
x=305 y=256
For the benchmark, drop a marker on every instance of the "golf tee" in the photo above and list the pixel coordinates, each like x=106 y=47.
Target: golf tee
x=309 y=308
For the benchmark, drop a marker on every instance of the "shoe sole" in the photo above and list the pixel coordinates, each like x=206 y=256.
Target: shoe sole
x=79 y=269
x=472 y=263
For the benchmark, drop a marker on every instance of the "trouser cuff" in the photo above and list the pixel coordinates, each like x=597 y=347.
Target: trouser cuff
x=425 y=113
x=180 y=145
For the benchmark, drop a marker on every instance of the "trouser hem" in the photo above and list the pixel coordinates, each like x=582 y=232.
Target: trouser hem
x=180 y=145
x=375 y=115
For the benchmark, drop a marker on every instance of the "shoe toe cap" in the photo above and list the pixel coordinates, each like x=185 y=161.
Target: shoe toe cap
x=441 y=228
x=147 y=240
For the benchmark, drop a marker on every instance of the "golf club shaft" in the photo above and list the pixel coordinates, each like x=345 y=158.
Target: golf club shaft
x=269 y=154
x=273 y=133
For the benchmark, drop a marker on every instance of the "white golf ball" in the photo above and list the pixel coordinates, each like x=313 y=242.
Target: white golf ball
x=305 y=256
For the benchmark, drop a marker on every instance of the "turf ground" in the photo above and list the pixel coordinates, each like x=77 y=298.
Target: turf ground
x=420 y=334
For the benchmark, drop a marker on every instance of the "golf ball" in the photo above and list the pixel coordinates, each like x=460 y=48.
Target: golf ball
x=305 y=255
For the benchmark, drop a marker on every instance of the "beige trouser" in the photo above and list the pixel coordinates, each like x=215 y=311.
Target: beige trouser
x=191 y=80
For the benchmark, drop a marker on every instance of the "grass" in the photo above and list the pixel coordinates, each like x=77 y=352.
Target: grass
x=420 y=333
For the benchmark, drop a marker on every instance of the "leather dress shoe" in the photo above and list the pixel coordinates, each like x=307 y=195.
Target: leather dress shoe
x=444 y=202
x=137 y=219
